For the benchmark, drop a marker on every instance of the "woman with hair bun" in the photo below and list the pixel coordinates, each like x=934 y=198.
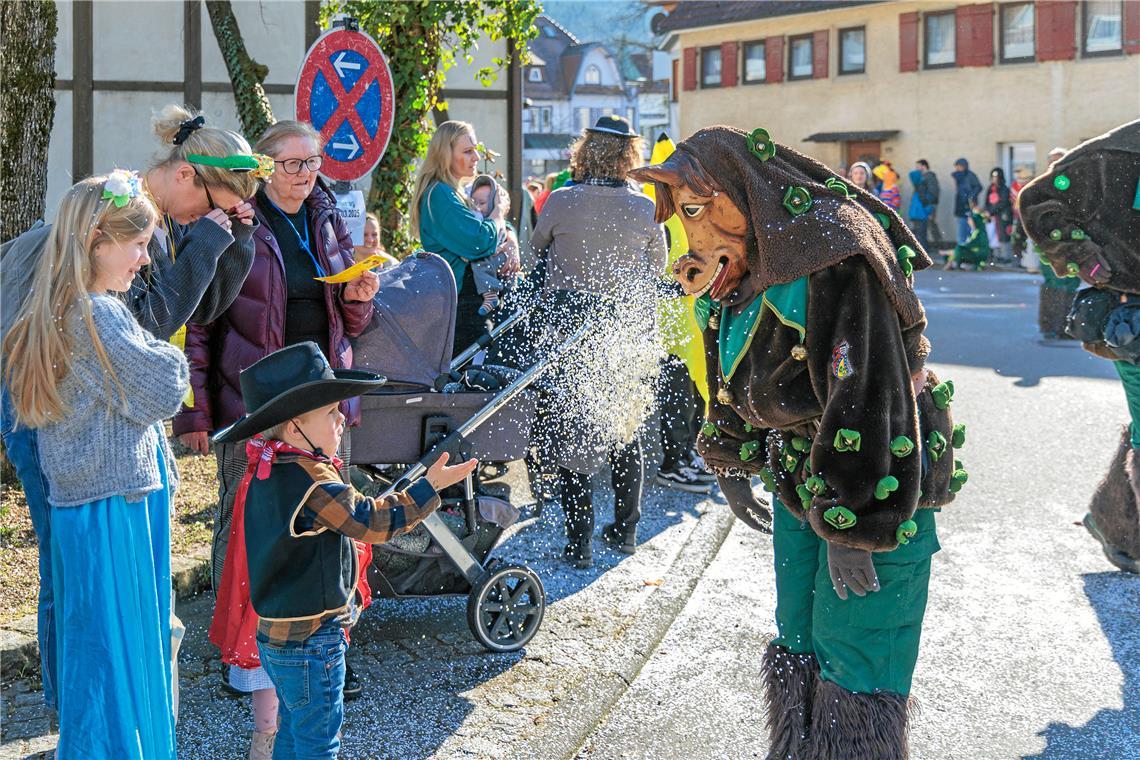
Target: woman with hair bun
x=199 y=255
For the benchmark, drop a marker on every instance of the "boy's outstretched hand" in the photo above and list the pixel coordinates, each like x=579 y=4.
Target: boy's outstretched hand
x=441 y=476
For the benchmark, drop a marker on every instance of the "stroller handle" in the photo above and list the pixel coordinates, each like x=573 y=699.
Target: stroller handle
x=485 y=340
x=454 y=443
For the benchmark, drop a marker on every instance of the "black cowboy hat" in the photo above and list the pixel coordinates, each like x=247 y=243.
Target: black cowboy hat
x=613 y=125
x=290 y=382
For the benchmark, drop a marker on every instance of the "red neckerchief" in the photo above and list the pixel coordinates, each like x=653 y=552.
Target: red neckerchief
x=262 y=454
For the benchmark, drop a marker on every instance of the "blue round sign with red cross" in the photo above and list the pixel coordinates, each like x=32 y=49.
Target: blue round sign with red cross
x=345 y=91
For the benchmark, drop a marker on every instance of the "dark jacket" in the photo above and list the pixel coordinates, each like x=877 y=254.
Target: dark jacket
x=782 y=414
x=254 y=326
x=966 y=189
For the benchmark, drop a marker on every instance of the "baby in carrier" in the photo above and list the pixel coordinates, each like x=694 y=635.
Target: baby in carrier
x=483 y=191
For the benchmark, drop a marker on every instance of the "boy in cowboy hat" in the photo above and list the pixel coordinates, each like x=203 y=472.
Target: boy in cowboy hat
x=300 y=520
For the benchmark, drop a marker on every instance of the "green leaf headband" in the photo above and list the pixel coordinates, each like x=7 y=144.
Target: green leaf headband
x=260 y=165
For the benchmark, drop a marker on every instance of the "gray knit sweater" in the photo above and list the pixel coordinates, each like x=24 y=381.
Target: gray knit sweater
x=106 y=444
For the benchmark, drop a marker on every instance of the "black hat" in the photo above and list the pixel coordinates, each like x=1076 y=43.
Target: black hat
x=613 y=125
x=290 y=382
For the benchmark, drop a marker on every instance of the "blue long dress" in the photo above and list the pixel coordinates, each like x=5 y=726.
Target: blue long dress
x=111 y=578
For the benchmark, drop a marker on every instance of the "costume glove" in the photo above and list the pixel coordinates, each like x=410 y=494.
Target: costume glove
x=851 y=569
x=752 y=511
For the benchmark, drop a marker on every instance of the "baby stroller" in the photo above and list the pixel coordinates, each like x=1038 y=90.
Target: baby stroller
x=433 y=403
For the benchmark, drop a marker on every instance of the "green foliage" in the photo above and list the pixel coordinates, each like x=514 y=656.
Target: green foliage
x=423 y=39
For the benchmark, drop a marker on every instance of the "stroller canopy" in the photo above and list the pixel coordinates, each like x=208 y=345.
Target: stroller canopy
x=413 y=324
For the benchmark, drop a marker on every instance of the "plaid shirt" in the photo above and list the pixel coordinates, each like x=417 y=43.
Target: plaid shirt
x=342 y=509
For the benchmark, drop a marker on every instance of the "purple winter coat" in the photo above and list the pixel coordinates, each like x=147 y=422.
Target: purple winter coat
x=254 y=326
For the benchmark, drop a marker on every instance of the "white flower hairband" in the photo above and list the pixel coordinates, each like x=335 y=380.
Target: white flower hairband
x=121 y=186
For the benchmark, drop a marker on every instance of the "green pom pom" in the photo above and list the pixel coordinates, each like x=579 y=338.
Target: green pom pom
x=886 y=487
x=840 y=518
x=1077 y=234
x=1061 y=182
x=768 y=479
x=905 y=254
x=906 y=532
x=847 y=440
x=958 y=437
x=816 y=485
x=790 y=461
x=804 y=494
x=748 y=427
x=936 y=445
x=797 y=200
x=958 y=479
x=1056 y=234
x=749 y=450
x=884 y=220
x=708 y=430
x=801 y=444
x=902 y=446
x=943 y=394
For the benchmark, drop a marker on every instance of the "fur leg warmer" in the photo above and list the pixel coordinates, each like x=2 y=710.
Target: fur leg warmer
x=1115 y=517
x=789 y=684
x=850 y=726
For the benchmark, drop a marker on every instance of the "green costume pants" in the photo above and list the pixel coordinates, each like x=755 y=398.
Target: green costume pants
x=864 y=644
x=1130 y=376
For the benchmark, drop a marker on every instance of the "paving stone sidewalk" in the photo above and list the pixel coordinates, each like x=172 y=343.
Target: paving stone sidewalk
x=430 y=689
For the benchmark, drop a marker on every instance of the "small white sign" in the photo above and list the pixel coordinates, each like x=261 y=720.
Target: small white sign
x=351 y=208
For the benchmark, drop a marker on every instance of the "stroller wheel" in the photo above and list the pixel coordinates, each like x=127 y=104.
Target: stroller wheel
x=505 y=607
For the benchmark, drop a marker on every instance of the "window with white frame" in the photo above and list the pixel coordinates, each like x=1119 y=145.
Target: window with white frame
x=535 y=74
x=710 y=67
x=1017 y=32
x=852 y=50
x=1018 y=160
x=939 y=37
x=581 y=119
x=755 y=63
x=1103 y=22
x=593 y=75
x=799 y=57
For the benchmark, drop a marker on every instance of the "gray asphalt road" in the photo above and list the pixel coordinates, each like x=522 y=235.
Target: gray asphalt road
x=1032 y=642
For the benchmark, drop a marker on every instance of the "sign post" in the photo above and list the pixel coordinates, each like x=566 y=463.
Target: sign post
x=344 y=89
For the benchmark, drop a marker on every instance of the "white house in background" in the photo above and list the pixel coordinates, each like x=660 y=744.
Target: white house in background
x=568 y=85
x=649 y=73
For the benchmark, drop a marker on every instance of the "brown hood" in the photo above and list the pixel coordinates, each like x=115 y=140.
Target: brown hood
x=1084 y=212
x=784 y=247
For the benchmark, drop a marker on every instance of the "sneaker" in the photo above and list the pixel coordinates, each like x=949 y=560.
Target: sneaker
x=697 y=465
x=580 y=556
x=352 y=686
x=626 y=544
x=683 y=479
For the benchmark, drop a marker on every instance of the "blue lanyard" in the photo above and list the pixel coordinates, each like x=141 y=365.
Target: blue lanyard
x=302 y=241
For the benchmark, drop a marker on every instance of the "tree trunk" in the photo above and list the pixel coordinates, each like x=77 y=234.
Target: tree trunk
x=27 y=108
x=246 y=74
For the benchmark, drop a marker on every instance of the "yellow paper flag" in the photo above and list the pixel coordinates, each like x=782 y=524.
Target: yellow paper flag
x=357 y=269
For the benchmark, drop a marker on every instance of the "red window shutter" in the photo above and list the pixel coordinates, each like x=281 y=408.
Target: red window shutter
x=908 y=41
x=1057 y=30
x=975 y=35
x=728 y=67
x=819 y=55
x=690 y=66
x=774 y=59
x=1131 y=28
x=676 y=83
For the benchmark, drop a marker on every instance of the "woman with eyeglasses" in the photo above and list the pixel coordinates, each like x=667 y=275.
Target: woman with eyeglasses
x=301 y=237
x=199 y=258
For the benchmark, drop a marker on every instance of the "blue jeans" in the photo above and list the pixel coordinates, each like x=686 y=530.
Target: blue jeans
x=964 y=229
x=309 y=681
x=20 y=444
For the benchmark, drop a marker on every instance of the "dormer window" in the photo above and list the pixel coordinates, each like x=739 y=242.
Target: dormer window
x=547 y=31
x=593 y=75
x=535 y=74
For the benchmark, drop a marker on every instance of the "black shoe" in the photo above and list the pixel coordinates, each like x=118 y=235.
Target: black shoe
x=623 y=542
x=227 y=690
x=683 y=479
x=352 y=686
x=698 y=466
x=579 y=555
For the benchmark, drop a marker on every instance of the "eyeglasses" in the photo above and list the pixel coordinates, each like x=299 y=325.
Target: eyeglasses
x=209 y=198
x=293 y=165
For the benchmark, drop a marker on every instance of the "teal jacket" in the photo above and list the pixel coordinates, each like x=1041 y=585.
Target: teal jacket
x=454 y=231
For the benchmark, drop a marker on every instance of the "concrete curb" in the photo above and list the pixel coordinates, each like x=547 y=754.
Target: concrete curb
x=569 y=726
x=20 y=652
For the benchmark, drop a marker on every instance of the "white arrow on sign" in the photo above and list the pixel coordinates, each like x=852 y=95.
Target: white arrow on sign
x=341 y=65
x=352 y=146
